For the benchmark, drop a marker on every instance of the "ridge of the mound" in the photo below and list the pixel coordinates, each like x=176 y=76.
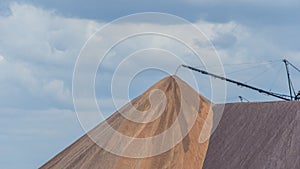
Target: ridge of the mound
x=186 y=154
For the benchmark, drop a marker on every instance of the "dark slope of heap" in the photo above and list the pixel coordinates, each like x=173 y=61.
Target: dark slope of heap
x=256 y=136
x=187 y=154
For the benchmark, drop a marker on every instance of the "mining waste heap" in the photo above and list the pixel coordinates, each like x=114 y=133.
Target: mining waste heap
x=256 y=135
x=188 y=153
x=248 y=136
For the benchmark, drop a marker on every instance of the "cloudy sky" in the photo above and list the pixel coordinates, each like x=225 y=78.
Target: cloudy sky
x=41 y=40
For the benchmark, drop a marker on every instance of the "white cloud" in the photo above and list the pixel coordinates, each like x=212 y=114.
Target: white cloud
x=40 y=49
x=58 y=89
x=42 y=36
x=1 y=58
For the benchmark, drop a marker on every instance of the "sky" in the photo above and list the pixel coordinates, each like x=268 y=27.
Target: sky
x=40 y=42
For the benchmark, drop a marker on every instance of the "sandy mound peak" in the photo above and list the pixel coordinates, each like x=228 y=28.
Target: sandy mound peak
x=158 y=129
